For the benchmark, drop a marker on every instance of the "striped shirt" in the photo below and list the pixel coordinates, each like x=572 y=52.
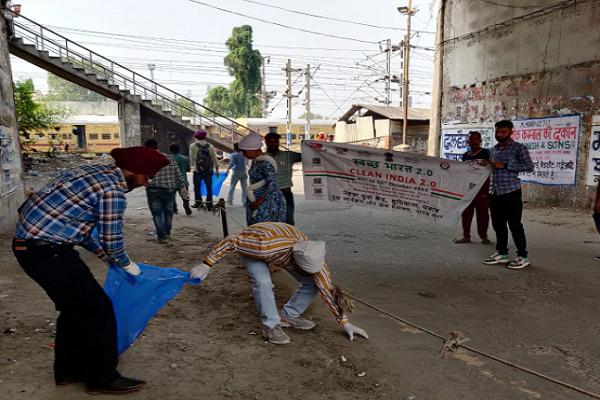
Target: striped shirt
x=272 y=242
x=285 y=167
x=66 y=210
x=168 y=177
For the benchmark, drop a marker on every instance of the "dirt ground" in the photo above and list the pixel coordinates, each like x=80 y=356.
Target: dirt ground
x=203 y=344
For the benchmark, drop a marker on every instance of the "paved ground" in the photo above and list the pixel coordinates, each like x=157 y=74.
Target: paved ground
x=544 y=318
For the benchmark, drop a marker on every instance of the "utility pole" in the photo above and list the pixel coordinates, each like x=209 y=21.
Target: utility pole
x=388 y=70
x=152 y=67
x=263 y=77
x=290 y=96
x=409 y=12
x=307 y=135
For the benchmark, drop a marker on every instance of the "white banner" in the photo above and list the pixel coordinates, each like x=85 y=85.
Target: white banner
x=406 y=183
x=593 y=167
x=552 y=143
x=453 y=141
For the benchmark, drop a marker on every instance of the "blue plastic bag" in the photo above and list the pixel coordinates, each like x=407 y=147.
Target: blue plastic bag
x=136 y=299
x=217 y=182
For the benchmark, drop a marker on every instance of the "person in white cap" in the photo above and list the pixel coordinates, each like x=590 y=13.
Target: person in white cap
x=273 y=245
x=265 y=201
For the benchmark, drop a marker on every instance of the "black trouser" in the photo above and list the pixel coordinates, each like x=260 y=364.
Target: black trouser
x=507 y=209
x=86 y=334
x=199 y=177
x=596 y=217
x=289 y=204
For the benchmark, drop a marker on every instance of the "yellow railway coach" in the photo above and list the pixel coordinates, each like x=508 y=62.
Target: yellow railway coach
x=88 y=133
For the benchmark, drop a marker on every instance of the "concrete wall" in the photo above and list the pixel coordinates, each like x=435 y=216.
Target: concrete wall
x=107 y=107
x=130 y=122
x=164 y=131
x=502 y=62
x=11 y=184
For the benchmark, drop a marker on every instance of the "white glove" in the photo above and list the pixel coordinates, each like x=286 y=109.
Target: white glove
x=352 y=329
x=200 y=271
x=132 y=269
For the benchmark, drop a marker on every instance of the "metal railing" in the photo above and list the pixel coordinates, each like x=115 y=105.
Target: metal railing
x=81 y=57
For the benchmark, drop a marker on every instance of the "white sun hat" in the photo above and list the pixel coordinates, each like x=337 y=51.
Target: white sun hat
x=309 y=255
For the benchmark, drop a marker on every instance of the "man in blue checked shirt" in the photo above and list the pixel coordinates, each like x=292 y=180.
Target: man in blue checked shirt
x=51 y=222
x=507 y=159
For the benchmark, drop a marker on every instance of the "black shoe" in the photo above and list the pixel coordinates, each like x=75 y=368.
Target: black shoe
x=196 y=205
x=120 y=385
x=67 y=381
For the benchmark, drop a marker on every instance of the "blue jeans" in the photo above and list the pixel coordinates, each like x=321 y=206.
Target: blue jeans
x=262 y=291
x=199 y=177
x=242 y=178
x=160 y=202
x=289 y=204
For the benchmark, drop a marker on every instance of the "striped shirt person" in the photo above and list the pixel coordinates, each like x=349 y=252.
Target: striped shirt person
x=270 y=245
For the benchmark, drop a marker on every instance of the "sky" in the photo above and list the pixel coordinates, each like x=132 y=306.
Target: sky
x=185 y=40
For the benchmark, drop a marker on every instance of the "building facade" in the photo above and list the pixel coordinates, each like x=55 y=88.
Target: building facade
x=376 y=125
x=538 y=66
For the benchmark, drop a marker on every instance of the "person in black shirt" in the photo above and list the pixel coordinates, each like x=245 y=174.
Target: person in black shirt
x=481 y=201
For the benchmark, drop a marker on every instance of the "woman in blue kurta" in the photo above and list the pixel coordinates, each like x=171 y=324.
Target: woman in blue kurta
x=265 y=201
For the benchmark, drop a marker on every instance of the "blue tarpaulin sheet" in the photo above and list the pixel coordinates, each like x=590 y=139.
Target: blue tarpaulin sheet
x=217 y=182
x=136 y=299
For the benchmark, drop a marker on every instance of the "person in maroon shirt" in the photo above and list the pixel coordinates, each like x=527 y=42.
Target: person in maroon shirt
x=480 y=203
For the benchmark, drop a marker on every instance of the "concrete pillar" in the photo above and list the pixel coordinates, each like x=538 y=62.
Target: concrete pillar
x=11 y=182
x=435 y=121
x=130 y=122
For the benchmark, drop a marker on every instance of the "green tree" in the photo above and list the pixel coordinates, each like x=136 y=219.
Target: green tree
x=31 y=114
x=217 y=99
x=187 y=107
x=62 y=90
x=243 y=97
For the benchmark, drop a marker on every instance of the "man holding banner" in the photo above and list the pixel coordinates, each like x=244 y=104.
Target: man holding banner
x=507 y=159
x=480 y=204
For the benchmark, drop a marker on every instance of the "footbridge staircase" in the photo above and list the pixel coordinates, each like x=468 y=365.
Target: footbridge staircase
x=136 y=93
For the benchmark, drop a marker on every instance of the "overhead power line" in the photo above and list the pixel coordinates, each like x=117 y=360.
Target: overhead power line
x=330 y=18
x=154 y=38
x=280 y=24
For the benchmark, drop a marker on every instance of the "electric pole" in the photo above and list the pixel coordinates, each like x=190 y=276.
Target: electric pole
x=307 y=135
x=263 y=77
x=152 y=67
x=409 y=12
x=388 y=72
x=290 y=96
